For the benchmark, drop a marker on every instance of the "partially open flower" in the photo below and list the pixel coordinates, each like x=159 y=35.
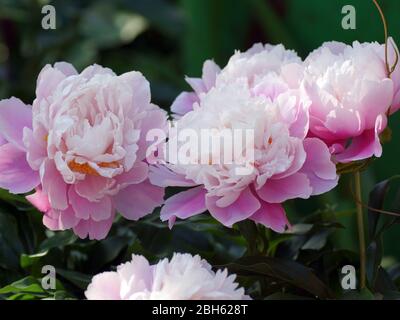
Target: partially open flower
x=85 y=144
x=351 y=94
x=184 y=277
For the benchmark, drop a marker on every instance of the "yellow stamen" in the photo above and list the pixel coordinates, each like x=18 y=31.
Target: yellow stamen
x=85 y=168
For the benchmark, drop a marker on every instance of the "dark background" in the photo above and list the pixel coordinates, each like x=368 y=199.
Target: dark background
x=166 y=40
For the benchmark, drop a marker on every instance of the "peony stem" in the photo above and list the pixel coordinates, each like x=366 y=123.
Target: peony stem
x=360 y=226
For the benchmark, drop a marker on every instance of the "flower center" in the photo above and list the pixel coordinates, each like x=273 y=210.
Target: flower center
x=85 y=168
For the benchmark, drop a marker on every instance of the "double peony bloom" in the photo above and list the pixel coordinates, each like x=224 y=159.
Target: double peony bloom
x=81 y=149
x=184 y=277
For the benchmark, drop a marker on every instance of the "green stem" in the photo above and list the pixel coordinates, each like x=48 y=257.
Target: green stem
x=360 y=226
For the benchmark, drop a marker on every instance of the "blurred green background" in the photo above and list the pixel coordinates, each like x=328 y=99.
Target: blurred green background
x=166 y=40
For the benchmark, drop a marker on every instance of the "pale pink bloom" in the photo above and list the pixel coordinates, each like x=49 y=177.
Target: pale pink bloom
x=287 y=165
x=258 y=60
x=184 y=277
x=351 y=95
x=84 y=141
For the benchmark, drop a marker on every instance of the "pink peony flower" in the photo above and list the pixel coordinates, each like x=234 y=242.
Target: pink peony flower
x=259 y=90
x=351 y=95
x=82 y=146
x=184 y=277
x=258 y=60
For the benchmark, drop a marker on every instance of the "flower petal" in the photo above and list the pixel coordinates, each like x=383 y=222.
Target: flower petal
x=96 y=230
x=85 y=209
x=318 y=167
x=104 y=286
x=365 y=145
x=271 y=215
x=15 y=173
x=14 y=117
x=184 y=204
x=244 y=207
x=53 y=185
x=136 y=201
x=40 y=200
x=280 y=190
x=184 y=103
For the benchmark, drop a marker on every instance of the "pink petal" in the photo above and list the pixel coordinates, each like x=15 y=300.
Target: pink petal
x=15 y=173
x=54 y=186
x=137 y=174
x=14 y=116
x=40 y=200
x=91 y=71
x=184 y=204
x=104 y=286
x=66 y=68
x=49 y=78
x=184 y=103
x=365 y=145
x=36 y=146
x=344 y=123
x=377 y=100
x=319 y=158
x=163 y=177
x=299 y=157
x=294 y=110
x=85 y=209
x=272 y=216
x=93 y=188
x=136 y=201
x=291 y=187
x=50 y=220
x=96 y=230
x=210 y=72
x=60 y=219
x=318 y=167
x=155 y=119
x=197 y=85
x=244 y=207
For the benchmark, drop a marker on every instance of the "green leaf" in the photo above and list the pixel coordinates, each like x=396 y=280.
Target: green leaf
x=376 y=201
x=285 y=296
x=10 y=245
x=374 y=259
x=79 y=279
x=58 y=240
x=286 y=271
x=106 y=251
x=248 y=229
x=27 y=260
x=25 y=285
x=364 y=294
x=384 y=283
x=318 y=240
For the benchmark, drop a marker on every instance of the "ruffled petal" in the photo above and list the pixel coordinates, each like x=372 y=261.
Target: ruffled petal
x=244 y=207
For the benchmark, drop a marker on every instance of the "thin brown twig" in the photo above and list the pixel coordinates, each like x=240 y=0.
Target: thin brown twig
x=389 y=70
x=391 y=213
x=386 y=34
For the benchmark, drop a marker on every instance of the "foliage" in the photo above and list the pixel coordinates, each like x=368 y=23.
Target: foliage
x=165 y=40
